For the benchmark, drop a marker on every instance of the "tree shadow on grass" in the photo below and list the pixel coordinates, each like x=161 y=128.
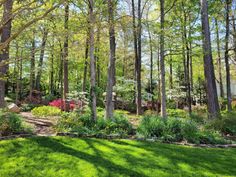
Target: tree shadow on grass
x=97 y=160
x=215 y=160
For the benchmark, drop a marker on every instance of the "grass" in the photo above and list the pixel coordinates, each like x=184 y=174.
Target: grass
x=71 y=157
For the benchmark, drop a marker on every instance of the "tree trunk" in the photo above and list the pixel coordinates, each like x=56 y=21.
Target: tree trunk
x=219 y=59
x=97 y=55
x=162 y=61
x=32 y=68
x=52 y=70
x=65 y=59
x=227 y=66
x=85 y=64
x=40 y=65
x=151 y=63
x=171 y=73
x=4 y=54
x=111 y=67
x=135 y=48
x=93 y=101
x=138 y=65
x=19 y=78
x=213 y=105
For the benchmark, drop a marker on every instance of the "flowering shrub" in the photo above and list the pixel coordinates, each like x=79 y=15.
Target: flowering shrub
x=59 y=103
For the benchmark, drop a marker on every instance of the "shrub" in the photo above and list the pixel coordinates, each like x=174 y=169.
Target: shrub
x=211 y=137
x=173 y=129
x=190 y=131
x=10 y=123
x=59 y=103
x=83 y=124
x=44 y=111
x=28 y=107
x=197 y=118
x=177 y=113
x=226 y=124
x=151 y=127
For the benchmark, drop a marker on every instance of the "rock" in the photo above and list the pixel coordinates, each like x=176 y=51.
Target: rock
x=13 y=108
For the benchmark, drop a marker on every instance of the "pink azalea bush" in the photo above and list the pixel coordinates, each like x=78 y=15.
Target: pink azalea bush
x=59 y=103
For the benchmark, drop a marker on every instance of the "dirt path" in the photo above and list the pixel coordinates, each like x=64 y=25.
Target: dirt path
x=42 y=127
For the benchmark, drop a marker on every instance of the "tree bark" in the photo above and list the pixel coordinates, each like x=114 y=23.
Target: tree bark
x=32 y=67
x=85 y=64
x=93 y=102
x=4 y=54
x=40 y=65
x=219 y=60
x=212 y=99
x=162 y=60
x=227 y=66
x=65 y=58
x=111 y=67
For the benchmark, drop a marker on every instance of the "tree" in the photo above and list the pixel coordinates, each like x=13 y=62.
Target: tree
x=219 y=59
x=65 y=57
x=162 y=60
x=93 y=101
x=4 y=55
x=40 y=65
x=111 y=67
x=212 y=99
x=227 y=67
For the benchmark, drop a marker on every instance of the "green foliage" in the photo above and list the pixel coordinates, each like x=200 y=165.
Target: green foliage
x=84 y=125
x=177 y=130
x=177 y=113
x=151 y=127
x=10 y=123
x=48 y=98
x=44 y=111
x=226 y=124
x=28 y=107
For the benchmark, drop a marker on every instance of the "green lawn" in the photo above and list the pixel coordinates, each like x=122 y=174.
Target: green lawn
x=62 y=156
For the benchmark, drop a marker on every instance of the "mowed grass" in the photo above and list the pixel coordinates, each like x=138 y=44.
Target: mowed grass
x=72 y=157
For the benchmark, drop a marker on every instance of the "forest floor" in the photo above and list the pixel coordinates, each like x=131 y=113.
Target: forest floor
x=41 y=126
x=65 y=156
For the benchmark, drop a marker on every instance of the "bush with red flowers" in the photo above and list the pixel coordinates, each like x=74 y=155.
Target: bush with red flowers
x=59 y=103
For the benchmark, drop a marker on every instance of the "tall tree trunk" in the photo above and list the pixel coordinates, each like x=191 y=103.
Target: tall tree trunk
x=97 y=49
x=212 y=99
x=93 y=101
x=4 y=54
x=219 y=60
x=19 y=78
x=138 y=65
x=234 y=35
x=171 y=72
x=227 y=66
x=85 y=64
x=151 y=63
x=52 y=70
x=40 y=65
x=111 y=67
x=32 y=68
x=137 y=49
x=162 y=60
x=65 y=58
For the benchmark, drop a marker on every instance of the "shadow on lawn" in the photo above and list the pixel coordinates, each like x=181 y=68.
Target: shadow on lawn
x=97 y=160
x=121 y=158
x=215 y=160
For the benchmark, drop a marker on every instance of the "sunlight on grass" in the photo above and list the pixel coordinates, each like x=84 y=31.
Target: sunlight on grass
x=61 y=156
